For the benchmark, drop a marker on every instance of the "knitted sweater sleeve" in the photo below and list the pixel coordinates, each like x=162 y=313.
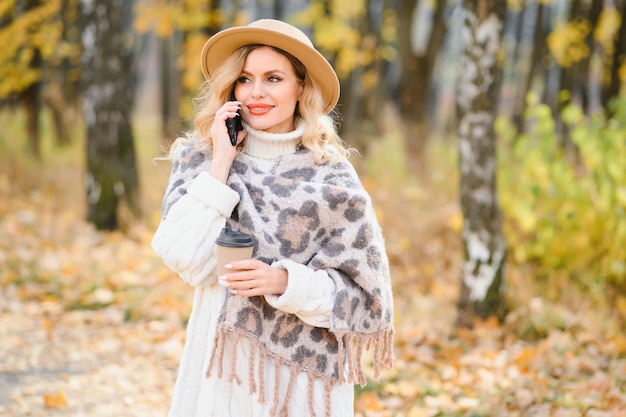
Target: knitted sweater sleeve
x=194 y=212
x=309 y=294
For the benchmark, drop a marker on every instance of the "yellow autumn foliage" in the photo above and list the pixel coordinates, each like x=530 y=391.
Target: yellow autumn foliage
x=37 y=29
x=189 y=59
x=566 y=215
x=606 y=30
x=567 y=42
x=6 y=6
x=336 y=33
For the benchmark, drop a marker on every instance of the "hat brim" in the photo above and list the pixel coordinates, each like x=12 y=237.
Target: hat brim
x=221 y=45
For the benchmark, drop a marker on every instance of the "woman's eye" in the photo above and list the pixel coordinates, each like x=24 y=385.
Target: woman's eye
x=274 y=79
x=242 y=80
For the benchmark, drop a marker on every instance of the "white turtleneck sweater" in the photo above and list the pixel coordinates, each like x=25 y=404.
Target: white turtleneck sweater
x=308 y=295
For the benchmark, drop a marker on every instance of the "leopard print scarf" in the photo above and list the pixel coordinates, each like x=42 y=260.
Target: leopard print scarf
x=319 y=216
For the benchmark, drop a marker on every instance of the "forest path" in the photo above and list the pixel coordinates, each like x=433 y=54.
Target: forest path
x=84 y=363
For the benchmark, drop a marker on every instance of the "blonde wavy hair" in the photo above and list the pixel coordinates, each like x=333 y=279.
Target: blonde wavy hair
x=320 y=134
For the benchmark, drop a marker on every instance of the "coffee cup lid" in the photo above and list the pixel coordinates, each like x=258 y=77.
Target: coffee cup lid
x=234 y=239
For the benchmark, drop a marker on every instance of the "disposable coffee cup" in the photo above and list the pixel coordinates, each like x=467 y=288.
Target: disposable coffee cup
x=232 y=246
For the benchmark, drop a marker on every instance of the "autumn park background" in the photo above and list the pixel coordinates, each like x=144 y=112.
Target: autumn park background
x=492 y=138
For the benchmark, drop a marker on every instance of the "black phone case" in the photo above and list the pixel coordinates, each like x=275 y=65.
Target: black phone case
x=233 y=124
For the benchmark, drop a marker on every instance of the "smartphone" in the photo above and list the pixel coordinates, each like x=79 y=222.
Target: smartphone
x=233 y=124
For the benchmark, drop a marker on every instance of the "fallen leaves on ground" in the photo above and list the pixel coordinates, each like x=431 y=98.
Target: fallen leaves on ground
x=93 y=324
x=56 y=400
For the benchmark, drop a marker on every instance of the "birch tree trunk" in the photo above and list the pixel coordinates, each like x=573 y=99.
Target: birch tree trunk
x=107 y=103
x=483 y=279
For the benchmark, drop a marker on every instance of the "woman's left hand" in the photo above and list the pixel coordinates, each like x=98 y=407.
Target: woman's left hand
x=252 y=277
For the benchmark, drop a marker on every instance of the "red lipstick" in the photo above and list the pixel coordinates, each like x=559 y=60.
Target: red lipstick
x=259 y=109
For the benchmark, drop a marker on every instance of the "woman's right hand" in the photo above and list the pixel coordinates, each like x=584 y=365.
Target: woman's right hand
x=223 y=151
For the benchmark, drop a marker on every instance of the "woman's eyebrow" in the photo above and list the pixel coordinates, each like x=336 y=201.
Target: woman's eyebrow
x=273 y=71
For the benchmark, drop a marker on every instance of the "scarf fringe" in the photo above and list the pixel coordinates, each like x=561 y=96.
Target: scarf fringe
x=260 y=371
x=251 y=379
x=309 y=393
x=277 y=378
x=350 y=353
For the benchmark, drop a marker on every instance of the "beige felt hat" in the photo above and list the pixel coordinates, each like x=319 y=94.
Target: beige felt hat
x=279 y=35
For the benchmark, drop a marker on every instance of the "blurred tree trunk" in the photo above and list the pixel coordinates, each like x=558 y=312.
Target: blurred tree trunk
x=173 y=89
x=483 y=279
x=549 y=67
x=533 y=39
x=70 y=67
x=575 y=78
x=218 y=14
x=415 y=80
x=538 y=62
x=63 y=89
x=32 y=105
x=365 y=89
x=582 y=76
x=56 y=104
x=170 y=87
x=112 y=175
x=236 y=9
x=278 y=9
x=31 y=95
x=615 y=86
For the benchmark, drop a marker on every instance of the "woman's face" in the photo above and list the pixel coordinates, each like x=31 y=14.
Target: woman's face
x=268 y=90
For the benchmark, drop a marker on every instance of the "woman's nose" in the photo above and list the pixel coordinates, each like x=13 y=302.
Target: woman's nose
x=258 y=90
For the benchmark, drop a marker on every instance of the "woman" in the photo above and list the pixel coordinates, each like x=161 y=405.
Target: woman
x=282 y=333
